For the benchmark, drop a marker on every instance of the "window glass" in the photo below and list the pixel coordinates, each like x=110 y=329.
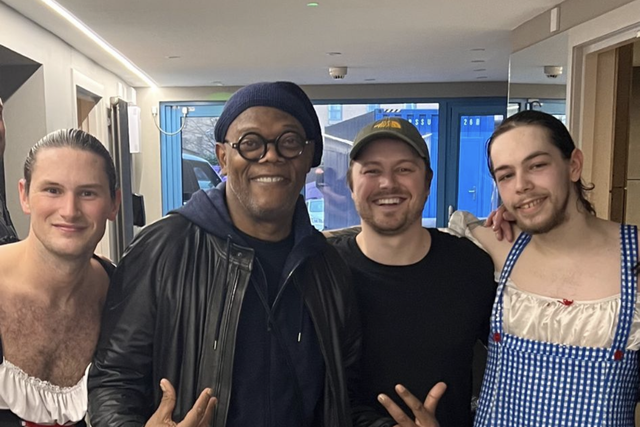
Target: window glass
x=326 y=185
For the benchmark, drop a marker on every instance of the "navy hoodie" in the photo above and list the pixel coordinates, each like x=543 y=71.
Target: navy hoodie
x=278 y=373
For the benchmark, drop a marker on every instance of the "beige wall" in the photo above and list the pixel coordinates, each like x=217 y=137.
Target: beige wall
x=571 y=13
x=47 y=101
x=633 y=171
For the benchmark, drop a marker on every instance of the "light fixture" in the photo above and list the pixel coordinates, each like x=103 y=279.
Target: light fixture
x=313 y=4
x=552 y=71
x=338 y=73
x=100 y=42
x=334 y=53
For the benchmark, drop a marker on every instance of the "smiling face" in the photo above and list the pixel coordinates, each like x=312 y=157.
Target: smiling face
x=265 y=191
x=69 y=201
x=534 y=180
x=389 y=186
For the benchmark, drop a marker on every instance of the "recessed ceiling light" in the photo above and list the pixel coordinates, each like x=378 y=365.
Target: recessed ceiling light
x=313 y=4
x=480 y=69
x=173 y=57
x=477 y=49
x=477 y=60
x=334 y=53
x=216 y=83
x=369 y=80
x=481 y=77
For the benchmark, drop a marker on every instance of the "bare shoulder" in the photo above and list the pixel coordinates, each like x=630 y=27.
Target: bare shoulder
x=497 y=249
x=9 y=259
x=465 y=224
x=98 y=283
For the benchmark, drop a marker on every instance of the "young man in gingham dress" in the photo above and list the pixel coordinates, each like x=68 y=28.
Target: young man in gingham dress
x=565 y=329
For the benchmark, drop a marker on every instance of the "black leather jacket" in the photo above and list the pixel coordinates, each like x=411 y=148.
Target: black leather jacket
x=162 y=315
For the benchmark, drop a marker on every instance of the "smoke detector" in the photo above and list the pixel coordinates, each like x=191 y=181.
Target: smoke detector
x=337 y=73
x=552 y=71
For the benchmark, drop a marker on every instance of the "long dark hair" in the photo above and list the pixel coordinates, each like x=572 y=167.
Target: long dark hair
x=79 y=140
x=558 y=135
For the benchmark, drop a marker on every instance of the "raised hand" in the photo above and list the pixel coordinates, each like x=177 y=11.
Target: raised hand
x=501 y=221
x=424 y=413
x=200 y=414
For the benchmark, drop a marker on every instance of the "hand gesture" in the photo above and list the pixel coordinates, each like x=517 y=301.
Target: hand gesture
x=199 y=416
x=501 y=221
x=424 y=413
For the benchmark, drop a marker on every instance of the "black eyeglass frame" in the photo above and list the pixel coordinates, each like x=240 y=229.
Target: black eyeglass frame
x=265 y=145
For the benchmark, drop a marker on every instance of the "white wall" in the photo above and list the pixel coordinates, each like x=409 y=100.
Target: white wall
x=47 y=101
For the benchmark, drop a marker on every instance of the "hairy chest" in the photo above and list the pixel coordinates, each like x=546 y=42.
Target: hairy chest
x=52 y=344
x=585 y=278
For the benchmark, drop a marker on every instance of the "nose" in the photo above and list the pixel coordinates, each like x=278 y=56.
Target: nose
x=272 y=154
x=523 y=183
x=69 y=208
x=387 y=180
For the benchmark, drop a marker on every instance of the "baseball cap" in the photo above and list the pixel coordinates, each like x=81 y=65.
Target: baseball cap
x=394 y=128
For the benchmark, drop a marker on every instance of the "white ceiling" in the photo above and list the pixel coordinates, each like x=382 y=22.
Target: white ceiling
x=236 y=42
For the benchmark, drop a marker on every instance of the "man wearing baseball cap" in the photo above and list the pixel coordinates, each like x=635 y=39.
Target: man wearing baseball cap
x=234 y=297
x=425 y=296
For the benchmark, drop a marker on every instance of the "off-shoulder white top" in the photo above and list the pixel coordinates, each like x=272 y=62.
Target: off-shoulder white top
x=542 y=318
x=41 y=402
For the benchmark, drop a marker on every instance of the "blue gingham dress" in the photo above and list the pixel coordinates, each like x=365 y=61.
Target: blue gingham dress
x=534 y=383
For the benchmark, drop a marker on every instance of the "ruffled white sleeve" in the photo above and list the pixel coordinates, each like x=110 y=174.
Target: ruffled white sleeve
x=459 y=225
x=41 y=402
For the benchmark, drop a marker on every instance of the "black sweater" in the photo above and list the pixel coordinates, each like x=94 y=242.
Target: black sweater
x=420 y=324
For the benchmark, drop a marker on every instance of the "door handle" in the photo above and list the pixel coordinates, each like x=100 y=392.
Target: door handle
x=473 y=193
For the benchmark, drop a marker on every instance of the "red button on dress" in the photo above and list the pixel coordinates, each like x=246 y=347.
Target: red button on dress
x=567 y=302
x=497 y=337
x=618 y=355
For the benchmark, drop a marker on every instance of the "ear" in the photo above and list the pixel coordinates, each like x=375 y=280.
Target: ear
x=115 y=205
x=221 y=154
x=428 y=181
x=576 y=161
x=24 y=196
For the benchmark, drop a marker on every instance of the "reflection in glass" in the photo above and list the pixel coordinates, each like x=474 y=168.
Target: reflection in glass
x=326 y=186
x=476 y=188
x=199 y=160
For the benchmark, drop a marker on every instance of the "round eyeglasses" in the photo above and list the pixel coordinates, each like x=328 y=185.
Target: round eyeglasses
x=253 y=146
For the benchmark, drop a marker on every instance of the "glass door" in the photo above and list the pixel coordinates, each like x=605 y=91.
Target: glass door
x=469 y=186
x=188 y=157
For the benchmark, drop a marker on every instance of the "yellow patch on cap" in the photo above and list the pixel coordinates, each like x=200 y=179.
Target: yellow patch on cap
x=388 y=123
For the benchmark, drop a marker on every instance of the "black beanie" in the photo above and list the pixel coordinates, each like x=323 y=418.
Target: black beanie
x=284 y=96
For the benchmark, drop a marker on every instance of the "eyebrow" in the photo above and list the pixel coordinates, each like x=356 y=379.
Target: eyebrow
x=525 y=160
x=92 y=185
